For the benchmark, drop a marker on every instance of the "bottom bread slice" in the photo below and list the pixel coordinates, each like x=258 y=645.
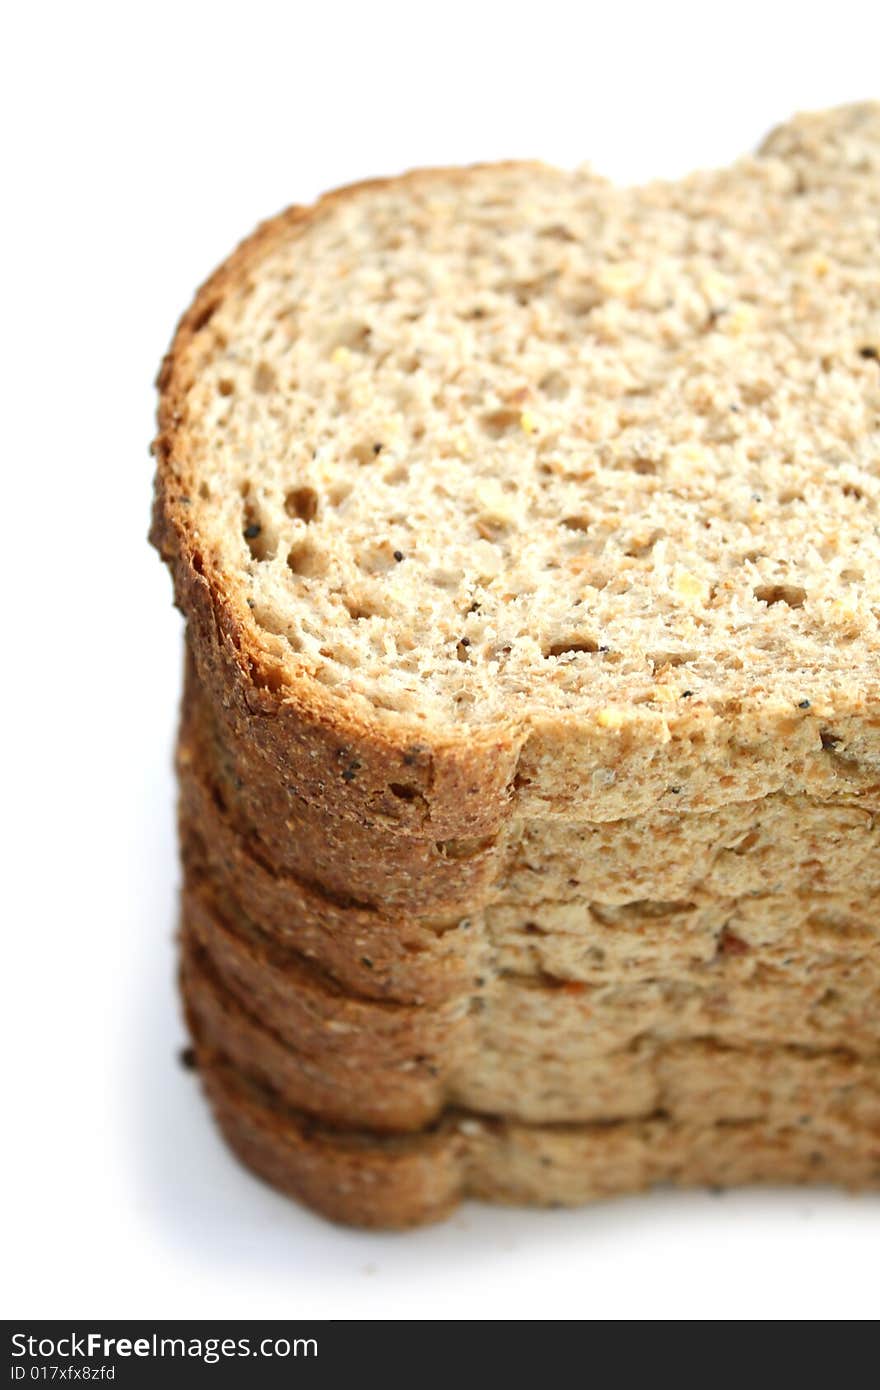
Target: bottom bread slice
x=396 y=1181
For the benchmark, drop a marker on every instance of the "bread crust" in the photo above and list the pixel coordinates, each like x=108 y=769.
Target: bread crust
x=307 y=1011
x=356 y=1179
x=375 y=955
x=382 y=1084
x=366 y=863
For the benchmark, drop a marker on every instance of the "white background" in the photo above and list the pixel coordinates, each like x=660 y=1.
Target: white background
x=140 y=143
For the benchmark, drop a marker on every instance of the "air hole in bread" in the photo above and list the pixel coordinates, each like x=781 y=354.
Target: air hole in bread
x=582 y=304
x=640 y=546
x=463 y=849
x=555 y=385
x=572 y=647
x=363 y=608
x=403 y=791
x=576 y=523
x=498 y=422
x=367 y=450
x=352 y=334
x=265 y=379
x=729 y=944
x=225 y=387
x=792 y=595
x=259 y=542
x=306 y=559
x=302 y=503
x=378 y=559
x=339 y=491
x=557 y=231
x=525 y=290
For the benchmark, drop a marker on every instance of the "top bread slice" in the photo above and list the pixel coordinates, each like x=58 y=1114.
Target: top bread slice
x=502 y=484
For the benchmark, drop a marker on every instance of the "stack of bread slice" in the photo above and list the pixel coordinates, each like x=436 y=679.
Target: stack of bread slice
x=528 y=536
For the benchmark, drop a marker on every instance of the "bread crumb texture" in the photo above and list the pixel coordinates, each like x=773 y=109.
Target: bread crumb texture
x=477 y=445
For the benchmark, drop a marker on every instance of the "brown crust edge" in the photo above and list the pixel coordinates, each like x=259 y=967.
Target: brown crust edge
x=358 y=1181
x=363 y=1087
x=363 y=864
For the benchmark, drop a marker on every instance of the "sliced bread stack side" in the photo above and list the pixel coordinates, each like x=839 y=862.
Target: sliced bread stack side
x=528 y=536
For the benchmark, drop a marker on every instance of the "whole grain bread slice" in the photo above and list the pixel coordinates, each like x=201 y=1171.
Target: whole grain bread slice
x=624 y=443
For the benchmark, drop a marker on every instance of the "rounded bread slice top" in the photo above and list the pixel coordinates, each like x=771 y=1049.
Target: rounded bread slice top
x=461 y=451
